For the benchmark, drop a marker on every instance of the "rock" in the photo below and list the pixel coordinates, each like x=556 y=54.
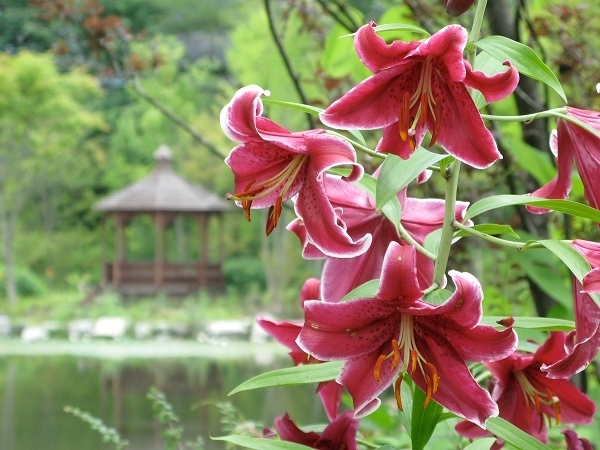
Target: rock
x=110 y=328
x=5 y=326
x=34 y=333
x=80 y=330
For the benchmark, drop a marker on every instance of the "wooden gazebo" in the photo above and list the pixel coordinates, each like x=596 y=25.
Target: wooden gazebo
x=162 y=195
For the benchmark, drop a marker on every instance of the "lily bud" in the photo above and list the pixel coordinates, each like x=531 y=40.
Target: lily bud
x=457 y=7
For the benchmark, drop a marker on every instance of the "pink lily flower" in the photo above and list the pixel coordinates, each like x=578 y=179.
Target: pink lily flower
x=272 y=165
x=574 y=442
x=526 y=397
x=581 y=344
x=397 y=332
x=418 y=87
x=419 y=217
x=286 y=332
x=339 y=434
x=573 y=142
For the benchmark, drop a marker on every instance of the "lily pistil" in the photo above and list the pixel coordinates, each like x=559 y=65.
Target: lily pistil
x=281 y=183
x=415 y=108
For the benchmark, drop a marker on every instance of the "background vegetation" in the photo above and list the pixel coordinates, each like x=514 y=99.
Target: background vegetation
x=75 y=126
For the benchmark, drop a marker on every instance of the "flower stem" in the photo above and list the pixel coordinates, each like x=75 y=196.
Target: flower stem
x=408 y=238
x=477 y=20
x=556 y=112
x=357 y=145
x=441 y=261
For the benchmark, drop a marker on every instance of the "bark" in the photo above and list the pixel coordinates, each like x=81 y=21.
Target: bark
x=7 y=222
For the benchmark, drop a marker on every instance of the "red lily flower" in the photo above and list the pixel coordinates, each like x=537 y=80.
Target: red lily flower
x=396 y=331
x=272 y=165
x=574 y=143
x=581 y=344
x=339 y=434
x=419 y=217
x=526 y=396
x=286 y=332
x=574 y=442
x=418 y=87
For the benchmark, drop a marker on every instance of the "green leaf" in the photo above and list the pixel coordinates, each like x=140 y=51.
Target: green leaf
x=424 y=419
x=290 y=376
x=365 y=290
x=432 y=241
x=532 y=323
x=392 y=209
x=297 y=106
x=576 y=263
x=396 y=173
x=481 y=444
x=406 y=392
x=525 y=60
x=565 y=206
x=400 y=27
x=260 y=443
x=438 y=296
x=489 y=228
x=513 y=435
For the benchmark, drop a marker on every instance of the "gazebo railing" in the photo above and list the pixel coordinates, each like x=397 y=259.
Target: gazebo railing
x=141 y=277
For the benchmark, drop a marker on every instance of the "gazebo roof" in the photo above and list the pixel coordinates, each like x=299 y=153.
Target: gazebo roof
x=162 y=191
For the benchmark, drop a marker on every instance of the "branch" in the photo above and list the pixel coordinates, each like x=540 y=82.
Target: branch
x=171 y=115
x=286 y=61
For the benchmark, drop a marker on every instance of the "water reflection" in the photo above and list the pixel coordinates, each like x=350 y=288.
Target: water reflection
x=35 y=389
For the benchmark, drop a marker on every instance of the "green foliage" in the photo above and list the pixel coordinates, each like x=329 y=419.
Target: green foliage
x=109 y=435
x=28 y=284
x=244 y=273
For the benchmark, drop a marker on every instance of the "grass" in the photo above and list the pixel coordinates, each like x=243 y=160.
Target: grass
x=64 y=306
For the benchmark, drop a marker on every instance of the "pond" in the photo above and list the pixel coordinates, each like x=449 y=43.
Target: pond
x=111 y=382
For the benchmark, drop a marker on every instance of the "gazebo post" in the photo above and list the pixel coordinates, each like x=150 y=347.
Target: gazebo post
x=203 y=251
x=121 y=221
x=160 y=222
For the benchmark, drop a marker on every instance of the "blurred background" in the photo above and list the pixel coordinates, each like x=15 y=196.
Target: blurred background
x=101 y=299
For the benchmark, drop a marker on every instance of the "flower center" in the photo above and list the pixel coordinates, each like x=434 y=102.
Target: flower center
x=416 y=108
x=281 y=182
x=537 y=398
x=405 y=349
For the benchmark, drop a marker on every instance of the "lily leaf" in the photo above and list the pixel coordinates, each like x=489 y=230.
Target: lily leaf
x=298 y=106
x=290 y=376
x=365 y=290
x=391 y=209
x=532 y=323
x=525 y=60
x=260 y=443
x=424 y=419
x=513 y=435
x=481 y=444
x=565 y=206
x=400 y=27
x=489 y=228
x=396 y=173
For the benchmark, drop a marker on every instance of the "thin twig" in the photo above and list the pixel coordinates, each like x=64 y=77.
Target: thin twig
x=286 y=62
x=171 y=115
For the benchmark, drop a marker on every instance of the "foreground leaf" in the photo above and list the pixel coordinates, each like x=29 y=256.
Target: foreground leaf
x=532 y=323
x=525 y=60
x=513 y=435
x=481 y=444
x=565 y=206
x=260 y=443
x=396 y=173
x=424 y=420
x=290 y=376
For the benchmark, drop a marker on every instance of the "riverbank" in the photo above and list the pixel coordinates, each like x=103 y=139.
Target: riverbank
x=120 y=350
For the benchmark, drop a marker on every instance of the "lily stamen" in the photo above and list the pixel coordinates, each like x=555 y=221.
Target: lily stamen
x=538 y=398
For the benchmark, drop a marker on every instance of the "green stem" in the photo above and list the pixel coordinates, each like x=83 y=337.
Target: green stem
x=556 y=112
x=441 y=261
x=358 y=145
x=408 y=238
x=518 y=245
x=477 y=20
